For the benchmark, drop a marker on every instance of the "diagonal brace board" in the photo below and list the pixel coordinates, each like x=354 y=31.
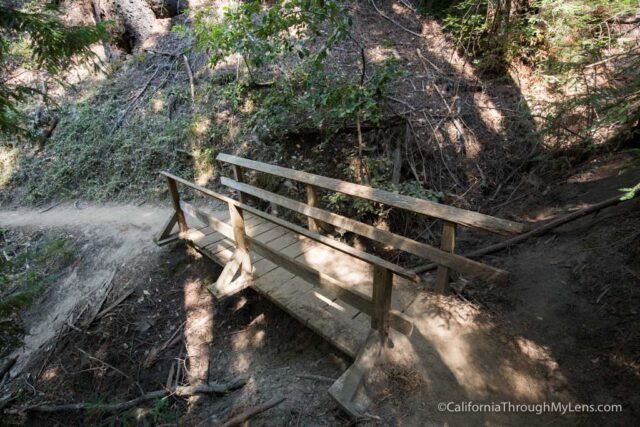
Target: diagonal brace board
x=165 y=236
x=226 y=285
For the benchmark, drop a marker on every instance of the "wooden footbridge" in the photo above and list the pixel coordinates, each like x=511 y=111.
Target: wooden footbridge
x=348 y=296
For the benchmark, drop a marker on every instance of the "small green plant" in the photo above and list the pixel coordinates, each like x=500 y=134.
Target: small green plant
x=25 y=271
x=262 y=34
x=313 y=101
x=380 y=170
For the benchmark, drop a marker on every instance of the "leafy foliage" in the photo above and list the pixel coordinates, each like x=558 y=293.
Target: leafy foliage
x=311 y=101
x=53 y=47
x=262 y=34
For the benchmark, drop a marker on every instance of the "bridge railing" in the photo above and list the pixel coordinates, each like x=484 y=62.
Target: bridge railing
x=378 y=304
x=451 y=216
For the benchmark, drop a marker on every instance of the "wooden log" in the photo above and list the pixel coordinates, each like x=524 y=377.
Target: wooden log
x=175 y=199
x=448 y=242
x=252 y=412
x=412 y=204
x=455 y=262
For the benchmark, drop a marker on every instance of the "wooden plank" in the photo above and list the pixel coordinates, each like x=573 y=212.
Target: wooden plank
x=216 y=224
x=382 y=287
x=448 y=243
x=424 y=207
x=225 y=285
x=342 y=247
x=456 y=262
x=175 y=200
x=348 y=342
x=338 y=328
x=165 y=231
x=311 y=201
x=170 y=239
x=354 y=298
x=345 y=389
x=237 y=174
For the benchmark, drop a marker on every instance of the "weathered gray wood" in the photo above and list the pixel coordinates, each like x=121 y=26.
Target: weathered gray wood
x=456 y=262
x=362 y=302
x=239 y=235
x=175 y=200
x=345 y=389
x=420 y=206
x=237 y=174
x=220 y=226
x=382 y=287
x=342 y=247
x=448 y=244
x=167 y=227
x=311 y=201
x=225 y=229
x=228 y=282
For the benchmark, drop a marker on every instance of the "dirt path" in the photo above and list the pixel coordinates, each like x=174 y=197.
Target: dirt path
x=111 y=236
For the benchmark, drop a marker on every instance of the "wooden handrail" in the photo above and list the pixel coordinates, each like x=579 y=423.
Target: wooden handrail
x=455 y=262
x=436 y=210
x=342 y=247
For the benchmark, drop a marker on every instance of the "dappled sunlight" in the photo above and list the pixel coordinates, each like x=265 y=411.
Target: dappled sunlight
x=523 y=387
x=482 y=367
x=198 y=329
x=329 y=302
x=9 y=160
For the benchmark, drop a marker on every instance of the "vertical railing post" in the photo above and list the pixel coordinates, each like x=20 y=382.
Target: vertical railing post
x=447 y=244
x=237 y=175
x=311 y=201
x=382 y=287
x=175 y=199
x=239 y=235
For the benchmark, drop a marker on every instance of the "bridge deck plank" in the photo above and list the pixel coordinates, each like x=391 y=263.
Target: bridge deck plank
x=339 y=323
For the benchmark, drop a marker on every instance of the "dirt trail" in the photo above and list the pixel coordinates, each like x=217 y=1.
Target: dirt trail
x=112 y=236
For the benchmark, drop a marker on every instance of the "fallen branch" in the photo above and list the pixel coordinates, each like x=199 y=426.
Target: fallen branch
x=317 y=378
x=535 y=232
x=152 y=357
x=252 y=412
x=112 y=367
x=133 y=102
x=211 y=388
x=393 y=21
x=114 y=304
x=191 y=85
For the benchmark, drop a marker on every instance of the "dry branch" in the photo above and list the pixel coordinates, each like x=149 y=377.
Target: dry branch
x=211 y=388
x=252 y=412
x=535 y=232
x=191 y=84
